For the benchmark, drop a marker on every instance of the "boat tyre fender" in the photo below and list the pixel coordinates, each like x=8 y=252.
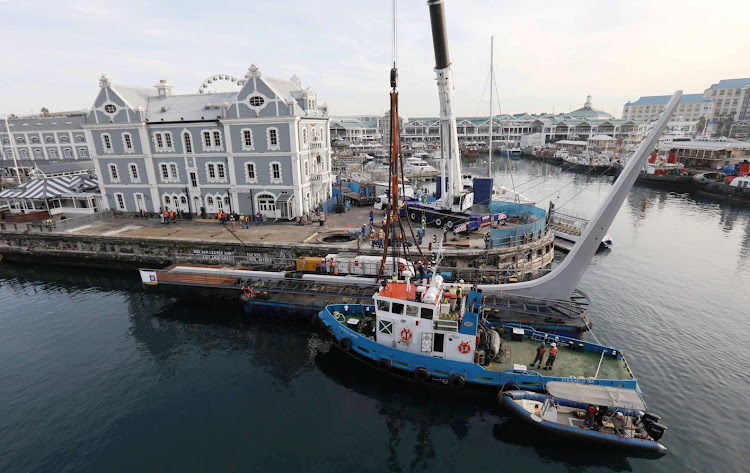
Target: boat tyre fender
x=509 y=387
x=438 y=222
x=384 y=365
x=413 y=216
x=456 y=381
x=345 y=344
x=422 y=374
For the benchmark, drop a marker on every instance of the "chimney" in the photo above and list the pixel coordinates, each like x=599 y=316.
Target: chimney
x=164 y=89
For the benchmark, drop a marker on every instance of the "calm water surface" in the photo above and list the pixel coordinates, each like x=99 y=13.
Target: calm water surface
x=98 y=374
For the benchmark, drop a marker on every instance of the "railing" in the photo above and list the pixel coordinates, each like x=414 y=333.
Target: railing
x=74 y=222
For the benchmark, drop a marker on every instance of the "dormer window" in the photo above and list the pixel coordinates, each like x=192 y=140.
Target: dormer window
x=110 y=108
x=256 y=101
x=49 y=140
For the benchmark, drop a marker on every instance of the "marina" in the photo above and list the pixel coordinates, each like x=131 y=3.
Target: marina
x=229 y=272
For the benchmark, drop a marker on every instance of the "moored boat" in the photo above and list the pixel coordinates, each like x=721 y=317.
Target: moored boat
x=734 y=187
x=601 y=414
x=436 y=333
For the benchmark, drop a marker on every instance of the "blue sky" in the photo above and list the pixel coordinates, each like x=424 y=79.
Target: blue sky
x=547 y=54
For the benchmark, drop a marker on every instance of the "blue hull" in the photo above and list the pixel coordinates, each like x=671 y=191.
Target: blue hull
x=442 y=371
x=583 y=434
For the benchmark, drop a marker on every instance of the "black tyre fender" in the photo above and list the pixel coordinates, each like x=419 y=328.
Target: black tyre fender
x=456 y=381
x=345 y=344
x=438 y=222
x=449 y=224
x=413 y=216
x=384 y=364
x=422 y=374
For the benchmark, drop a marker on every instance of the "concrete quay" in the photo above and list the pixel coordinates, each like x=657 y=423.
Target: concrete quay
x=146 y=242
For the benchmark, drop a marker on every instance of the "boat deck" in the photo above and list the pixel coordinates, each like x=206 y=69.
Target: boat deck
x=569 y=362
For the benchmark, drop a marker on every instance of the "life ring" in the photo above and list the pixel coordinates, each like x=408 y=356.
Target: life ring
x=456 y=381
x=345 y=344
x=384 y=364
x=405 y=334
x=422 y=374
x=464 y=347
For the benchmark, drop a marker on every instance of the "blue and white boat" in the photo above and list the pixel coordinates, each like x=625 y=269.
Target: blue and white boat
x=434 y=333
x=621 y=420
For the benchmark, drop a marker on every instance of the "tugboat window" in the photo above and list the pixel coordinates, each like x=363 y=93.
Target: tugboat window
x=427 y=313
x=412 y=310
x=385 y=306
x=397 y=308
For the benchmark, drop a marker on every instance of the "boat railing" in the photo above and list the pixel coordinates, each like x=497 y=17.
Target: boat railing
x=572 y=343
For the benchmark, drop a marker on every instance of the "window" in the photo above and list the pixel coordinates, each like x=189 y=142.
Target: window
x=120 y=201
x=220 y=170
x=211 y=171
x=206 y=139
x=127 y=141
x=169 y=172
x=159 y=141
x=9 y=154
x=209 y=145
x=304 y=136
x=110 y=108
x=113 y=173
x=226 y=201
x=210 y=200
x=83 y=152
x=247 y=139
x=79 y=139
x=216 y=172
x=173 y=170
x=183 y=200
x=250 y=172
x=397 y=308
x=134 y=172
x=107 y=141
x=193 y=180
x=412 y=310
x=273 y=138
x=385 y=306
x=275 y=172
x=307 y=169
x=426 y=313
x=24 y=153
x=6 y=141
x=385 y=326
x=64 y=139
x=217 y=139
x=35 y=139
x=20 y=141
x=164 y=172
x=256 y=101
x=38 y=153
x=188 y=142
x=52 y=153
x=167 y=200
x=168 y=140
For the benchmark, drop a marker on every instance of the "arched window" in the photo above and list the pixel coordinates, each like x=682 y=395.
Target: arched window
x=167 y=200
x=210 y=200
x=226 y=201
x=188 y=142
x=35 y=139
x=183 y=200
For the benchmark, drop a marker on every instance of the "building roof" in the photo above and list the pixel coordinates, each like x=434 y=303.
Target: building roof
x=61 y=166
x=175 y=108
x=602 y=138
x=136 y=96
x=54 y=187
x=731 y=83
x=31 y=124
x=663 y=99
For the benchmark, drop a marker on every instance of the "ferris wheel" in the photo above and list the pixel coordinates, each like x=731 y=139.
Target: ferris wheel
x=219 y=83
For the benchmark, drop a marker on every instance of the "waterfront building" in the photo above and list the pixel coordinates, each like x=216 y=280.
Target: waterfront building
x=30 y=141
x=71 y=194
x=691 y=109
x=729 y=96
x=354 y=129
x=711 y=153
x=263 y=147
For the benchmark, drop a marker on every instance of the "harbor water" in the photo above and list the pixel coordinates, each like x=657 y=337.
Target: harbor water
x=100 y=374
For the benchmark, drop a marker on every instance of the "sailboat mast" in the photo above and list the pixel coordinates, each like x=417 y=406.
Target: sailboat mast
x=492 y=81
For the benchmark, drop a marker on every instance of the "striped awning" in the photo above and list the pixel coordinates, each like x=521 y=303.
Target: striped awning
x=53 y=187
x=460 y=228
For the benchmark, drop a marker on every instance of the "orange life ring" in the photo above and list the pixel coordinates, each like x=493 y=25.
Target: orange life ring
x=464 y=347
x=405 y=334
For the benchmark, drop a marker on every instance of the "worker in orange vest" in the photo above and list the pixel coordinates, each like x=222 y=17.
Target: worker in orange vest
x=552 y=356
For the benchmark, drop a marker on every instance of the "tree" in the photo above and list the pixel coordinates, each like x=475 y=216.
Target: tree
x=701 y=125
x=12 y=115
x=45 y=112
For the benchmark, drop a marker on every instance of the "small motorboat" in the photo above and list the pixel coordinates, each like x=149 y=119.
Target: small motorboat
x=597 y=413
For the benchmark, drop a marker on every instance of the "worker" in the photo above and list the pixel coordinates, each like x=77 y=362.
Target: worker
x=552 y=356
x=421 y=270
x=372 y=217
x=445 y=233
x=459 y=295
x=219 y=216
x=364 y=232
x=487 y=240
x=539 y=355
x=171 y=216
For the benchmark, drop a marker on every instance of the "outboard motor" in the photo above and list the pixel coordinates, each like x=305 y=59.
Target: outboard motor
x=656 y=430
x=650 y=418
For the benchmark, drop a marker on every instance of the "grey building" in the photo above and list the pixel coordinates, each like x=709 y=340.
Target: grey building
x=262 y=148
x=31 y=141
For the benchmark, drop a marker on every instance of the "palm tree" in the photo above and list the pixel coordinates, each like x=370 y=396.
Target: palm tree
x=45 y=112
